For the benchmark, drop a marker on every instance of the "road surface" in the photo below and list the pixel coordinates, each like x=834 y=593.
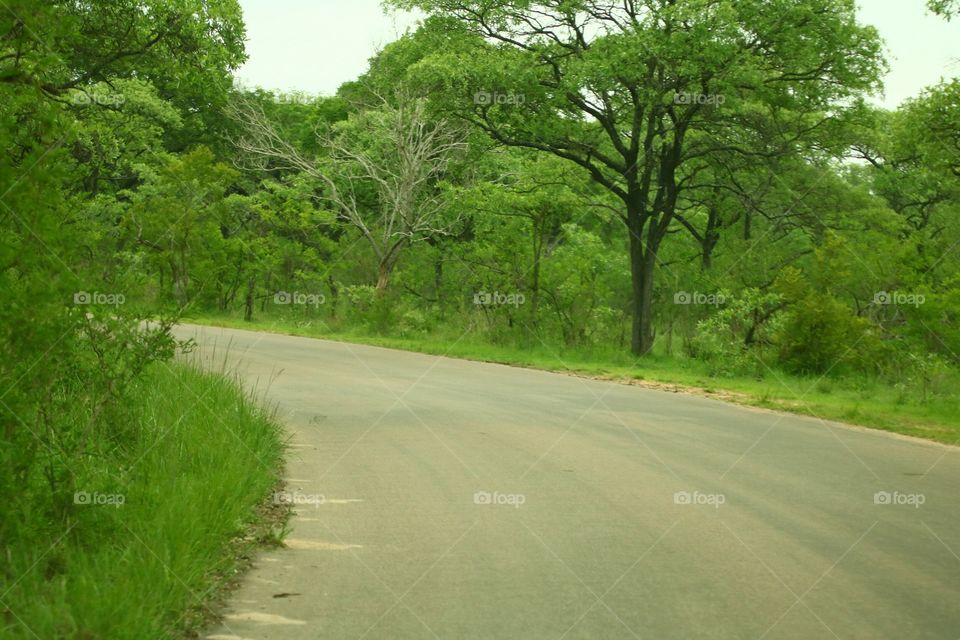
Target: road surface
x=441 y=498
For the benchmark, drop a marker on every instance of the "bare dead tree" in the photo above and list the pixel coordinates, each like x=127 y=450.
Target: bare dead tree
x=397 y=150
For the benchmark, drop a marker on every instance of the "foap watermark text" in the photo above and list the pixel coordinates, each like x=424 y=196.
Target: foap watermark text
x=497 y=498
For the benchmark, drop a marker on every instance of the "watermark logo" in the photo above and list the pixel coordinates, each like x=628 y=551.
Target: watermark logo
x=496 y=498
x=312 y=299
x=712 y=299
x=296 y=498
x=487 y=98
x=695 y=497
x=899 y=298
x=896 y=498
x=97 y=97
x=112 y=299
x=293 y=98
x=484 y=298
x=96 y=498
x=699 y=98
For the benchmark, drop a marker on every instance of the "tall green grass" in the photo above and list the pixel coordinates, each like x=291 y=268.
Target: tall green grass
x=195 y=467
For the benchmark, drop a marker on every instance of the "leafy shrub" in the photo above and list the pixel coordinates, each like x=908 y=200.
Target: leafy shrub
x=731 y=340
x=820 y=335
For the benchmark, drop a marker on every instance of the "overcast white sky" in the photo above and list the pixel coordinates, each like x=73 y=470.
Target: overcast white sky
x=316 y=45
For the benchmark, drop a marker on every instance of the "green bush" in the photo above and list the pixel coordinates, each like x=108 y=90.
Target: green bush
x=820 y=335
x=732 y=339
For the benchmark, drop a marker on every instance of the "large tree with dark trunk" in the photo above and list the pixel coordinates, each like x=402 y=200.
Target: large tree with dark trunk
x=648 y=95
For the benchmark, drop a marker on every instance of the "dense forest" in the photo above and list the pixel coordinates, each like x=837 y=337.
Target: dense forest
x=701 y=181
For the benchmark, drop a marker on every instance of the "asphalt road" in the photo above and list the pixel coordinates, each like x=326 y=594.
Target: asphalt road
x=440 y=498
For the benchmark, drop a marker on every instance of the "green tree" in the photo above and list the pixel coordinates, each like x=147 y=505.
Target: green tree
x=180 y=215
x=641 y=96
x=945 y=8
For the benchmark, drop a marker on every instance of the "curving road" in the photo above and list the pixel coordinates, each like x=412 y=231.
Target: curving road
x=440 y=498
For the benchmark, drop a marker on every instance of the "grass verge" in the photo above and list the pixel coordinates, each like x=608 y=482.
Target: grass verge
x=855 y=400
x=157 y=535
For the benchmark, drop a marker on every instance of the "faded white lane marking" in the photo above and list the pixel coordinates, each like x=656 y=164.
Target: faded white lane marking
x=263 y=618
x=319 y=545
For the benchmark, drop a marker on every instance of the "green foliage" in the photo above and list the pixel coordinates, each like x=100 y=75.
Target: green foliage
x=945 y=8
x=195 y=456
x=734 y=338
x=93 y=100
x=180 y=215
x=544 y=194
x=645 y=97
x=820 y=334
x=579 y=280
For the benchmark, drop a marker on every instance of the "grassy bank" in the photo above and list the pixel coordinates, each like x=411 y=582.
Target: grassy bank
x=856 y=400
x=158 y=531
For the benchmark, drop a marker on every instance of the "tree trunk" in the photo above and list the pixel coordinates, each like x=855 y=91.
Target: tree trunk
x=334 y=296
x=248 y=303
x=535 y=279
x=383 y=277
x=438 y=282
x=669 y=345
x=641 y=275
x=386 y=265
x=710 y=238
x=646 y=310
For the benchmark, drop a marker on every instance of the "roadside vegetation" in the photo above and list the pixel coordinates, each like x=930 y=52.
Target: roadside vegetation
x=697 y=192
x=146 y=528
x=129 y=482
